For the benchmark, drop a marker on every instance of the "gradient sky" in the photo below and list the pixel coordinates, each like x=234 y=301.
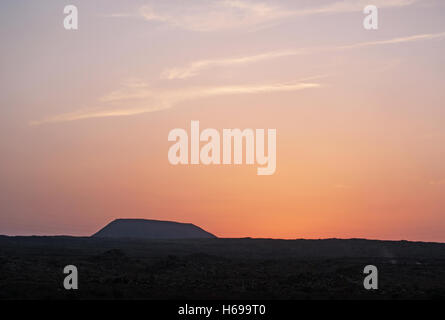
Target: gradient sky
x=85 y=115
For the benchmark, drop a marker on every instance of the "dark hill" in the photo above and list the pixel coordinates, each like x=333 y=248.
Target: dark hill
x=151 y=229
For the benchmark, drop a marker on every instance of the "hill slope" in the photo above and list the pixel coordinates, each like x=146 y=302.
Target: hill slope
x=151 y=229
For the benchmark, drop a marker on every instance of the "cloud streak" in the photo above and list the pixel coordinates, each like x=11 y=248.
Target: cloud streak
x=347 y=6
x=414 y=38
x=209 y=16
x=146 y=99
x=222 y=15
x=196 y=67
x=156 y=100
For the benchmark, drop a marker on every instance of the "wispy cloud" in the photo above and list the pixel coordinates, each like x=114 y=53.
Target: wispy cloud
x=346 y=6
x=419 y=37
x=89 y=113
x=149 y=100
x=195 y=67
x=209 y=16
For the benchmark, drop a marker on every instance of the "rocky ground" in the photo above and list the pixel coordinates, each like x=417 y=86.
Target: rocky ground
x=32 y=268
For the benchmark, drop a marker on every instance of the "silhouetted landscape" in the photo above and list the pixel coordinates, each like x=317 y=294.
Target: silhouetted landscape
x=111 y=268
x=151 y=229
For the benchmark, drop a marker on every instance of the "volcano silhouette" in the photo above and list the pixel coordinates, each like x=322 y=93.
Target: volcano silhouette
x=151 y=229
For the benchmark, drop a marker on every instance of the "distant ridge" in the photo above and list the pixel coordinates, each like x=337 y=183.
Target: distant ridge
x=151 y=229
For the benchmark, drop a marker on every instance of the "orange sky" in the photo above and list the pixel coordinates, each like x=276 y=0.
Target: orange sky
x=85 y=116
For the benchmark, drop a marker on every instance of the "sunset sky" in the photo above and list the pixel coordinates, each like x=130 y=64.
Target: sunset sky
x=359 y=114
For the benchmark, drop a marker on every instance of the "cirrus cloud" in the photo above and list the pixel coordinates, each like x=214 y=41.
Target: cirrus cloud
x=145 y=99
x=195 y=67
x=223 y=15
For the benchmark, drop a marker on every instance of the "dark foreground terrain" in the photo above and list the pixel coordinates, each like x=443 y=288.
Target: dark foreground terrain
x=32 y=268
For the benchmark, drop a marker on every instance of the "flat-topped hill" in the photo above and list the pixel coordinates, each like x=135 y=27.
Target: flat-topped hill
x=151 y=229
